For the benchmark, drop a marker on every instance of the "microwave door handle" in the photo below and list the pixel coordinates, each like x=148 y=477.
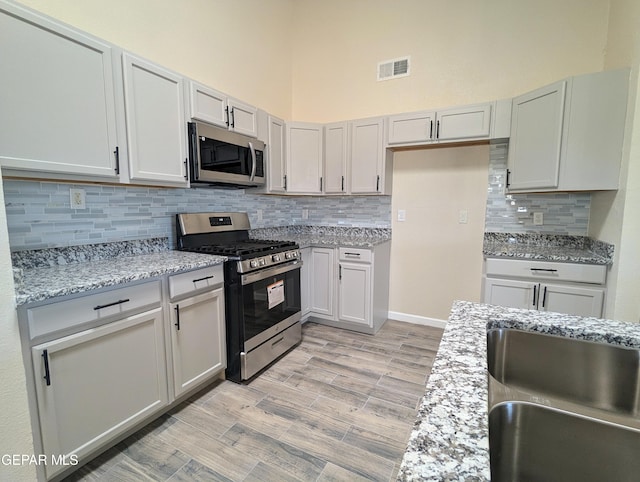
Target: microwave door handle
x=253 y=161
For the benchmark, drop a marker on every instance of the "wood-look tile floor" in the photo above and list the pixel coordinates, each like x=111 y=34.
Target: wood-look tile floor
x=340 y=406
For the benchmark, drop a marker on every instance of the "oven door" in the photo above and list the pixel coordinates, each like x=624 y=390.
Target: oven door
x=271 y=302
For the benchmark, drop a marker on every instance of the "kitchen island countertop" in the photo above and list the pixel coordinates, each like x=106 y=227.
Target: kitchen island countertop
x=450 y=438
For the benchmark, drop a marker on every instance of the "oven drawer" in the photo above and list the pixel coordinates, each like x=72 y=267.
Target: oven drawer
x=355 y=254
x=196 y=280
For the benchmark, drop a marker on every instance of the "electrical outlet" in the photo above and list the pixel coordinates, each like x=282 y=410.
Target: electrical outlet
x=259 y=215
x=305 y=214
x=538 y=219
x=77 y=198
x=402 y=215
x=463 y=216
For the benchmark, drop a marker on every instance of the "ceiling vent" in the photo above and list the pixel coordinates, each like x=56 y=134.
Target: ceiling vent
x=392 y=69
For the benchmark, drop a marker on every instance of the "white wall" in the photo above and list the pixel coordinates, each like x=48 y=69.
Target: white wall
x=15 y=425
x=462 y=51
x=615 y=216
x=242 y=48
x=435 y=259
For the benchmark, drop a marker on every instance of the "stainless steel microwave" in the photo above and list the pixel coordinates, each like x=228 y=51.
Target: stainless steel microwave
x=221 y=157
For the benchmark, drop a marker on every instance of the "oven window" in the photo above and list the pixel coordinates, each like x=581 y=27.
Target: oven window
x=269 y=301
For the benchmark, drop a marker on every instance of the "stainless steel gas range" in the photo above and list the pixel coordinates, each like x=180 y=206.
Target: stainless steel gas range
x=262 y=288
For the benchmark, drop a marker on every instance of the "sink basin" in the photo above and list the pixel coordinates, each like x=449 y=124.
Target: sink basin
x=529 y=442
x=592 y=374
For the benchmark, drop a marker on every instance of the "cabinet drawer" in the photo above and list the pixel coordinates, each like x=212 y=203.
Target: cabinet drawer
x=579 y=273
x=185 y=283
x=355 y=254
x=92 y=307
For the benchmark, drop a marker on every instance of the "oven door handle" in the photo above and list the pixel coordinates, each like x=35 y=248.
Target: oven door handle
x=254 y=162
x=266 y=273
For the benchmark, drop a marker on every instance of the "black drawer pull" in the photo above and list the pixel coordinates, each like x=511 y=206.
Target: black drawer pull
x=544 y=297
x=351 y=254
x=546 y=270
x=119 y=302
x=535 y=291
x=47 y=374
x=203 y=279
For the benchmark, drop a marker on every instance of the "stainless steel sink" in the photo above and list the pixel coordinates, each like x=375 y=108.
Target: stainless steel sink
x=597 y=375
x=529 y=442
x=562 y=409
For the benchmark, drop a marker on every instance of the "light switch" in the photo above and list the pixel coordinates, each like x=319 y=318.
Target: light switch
x=463 y=216
x=402 y=215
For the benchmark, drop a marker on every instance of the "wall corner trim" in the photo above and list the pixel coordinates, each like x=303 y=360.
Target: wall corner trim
x=416 y=319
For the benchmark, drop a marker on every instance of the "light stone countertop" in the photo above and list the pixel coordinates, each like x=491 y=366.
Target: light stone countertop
x=43 y=283
x=450 y=440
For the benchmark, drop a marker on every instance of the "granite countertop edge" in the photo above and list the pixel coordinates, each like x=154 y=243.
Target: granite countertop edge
x=46 y=283
x=449 y=440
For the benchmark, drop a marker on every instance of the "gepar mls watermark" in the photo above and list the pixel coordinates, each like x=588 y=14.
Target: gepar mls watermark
x=38 y=459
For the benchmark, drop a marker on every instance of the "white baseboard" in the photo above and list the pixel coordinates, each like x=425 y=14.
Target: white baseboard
x=418 y=320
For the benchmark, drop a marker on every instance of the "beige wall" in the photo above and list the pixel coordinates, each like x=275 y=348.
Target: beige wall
x=15 y=425
x=461 y=52
x=242 y=48
x=615 y=216
x=434 y=259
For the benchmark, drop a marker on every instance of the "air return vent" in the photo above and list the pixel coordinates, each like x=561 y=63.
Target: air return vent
x=392 y=69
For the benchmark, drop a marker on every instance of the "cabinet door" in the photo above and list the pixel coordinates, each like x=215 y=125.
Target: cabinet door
x=304 y=158
x=469 y=122
x=411 y=128
x=323 y=282
x=243 y=118
x=57 y=101
x=197 y=339
x=207 y=104
x=367 y=150
x=335 y=157
x=156 y=129
x=276 y=170
x=572 y=300
x=305 y=280
x=510 y=293
x=536 y=135
x=96 y=384
x=354 y=293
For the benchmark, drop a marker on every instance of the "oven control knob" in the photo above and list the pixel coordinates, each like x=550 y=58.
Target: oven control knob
x=262 y=262
x=253 y=263
x=288 y=255
x=294 y=254
x=275 y=257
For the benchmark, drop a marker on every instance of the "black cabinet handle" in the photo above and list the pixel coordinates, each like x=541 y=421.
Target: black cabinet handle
x=352 y=254
x=546 y=270
x=233 y=118
x=534 y=295
x=47 y=374
x=438 y=130
x=186 y=169
x=342 y=184
x=203 y=279
x=285 y=182
x=226 y=110
x=430 y=129
x=119 y=302
x=340 y=272
x=544 y=297
x=321 y=184
x=508 y=175
x=116 y=154
x=377 y=183
x=177 y=323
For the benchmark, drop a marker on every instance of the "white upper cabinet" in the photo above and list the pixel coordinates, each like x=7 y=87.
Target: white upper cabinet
x=367 y=163
x=156 y=128
x=457 y=124
x=336 y=152
x=304 y=158
x=58 y=98
x=536 y=134
x=276 y=172
x=568 y=136
x=209 y=105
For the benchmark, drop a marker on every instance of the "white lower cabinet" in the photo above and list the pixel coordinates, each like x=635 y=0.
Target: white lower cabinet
x=350 y=287
x=93 y=385
x=323 y=283
x=559 y=287
x=305 y=282
x=197 y=339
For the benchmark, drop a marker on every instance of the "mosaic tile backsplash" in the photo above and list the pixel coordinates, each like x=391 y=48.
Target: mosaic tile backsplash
x=563 y=213
x=39 y=214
